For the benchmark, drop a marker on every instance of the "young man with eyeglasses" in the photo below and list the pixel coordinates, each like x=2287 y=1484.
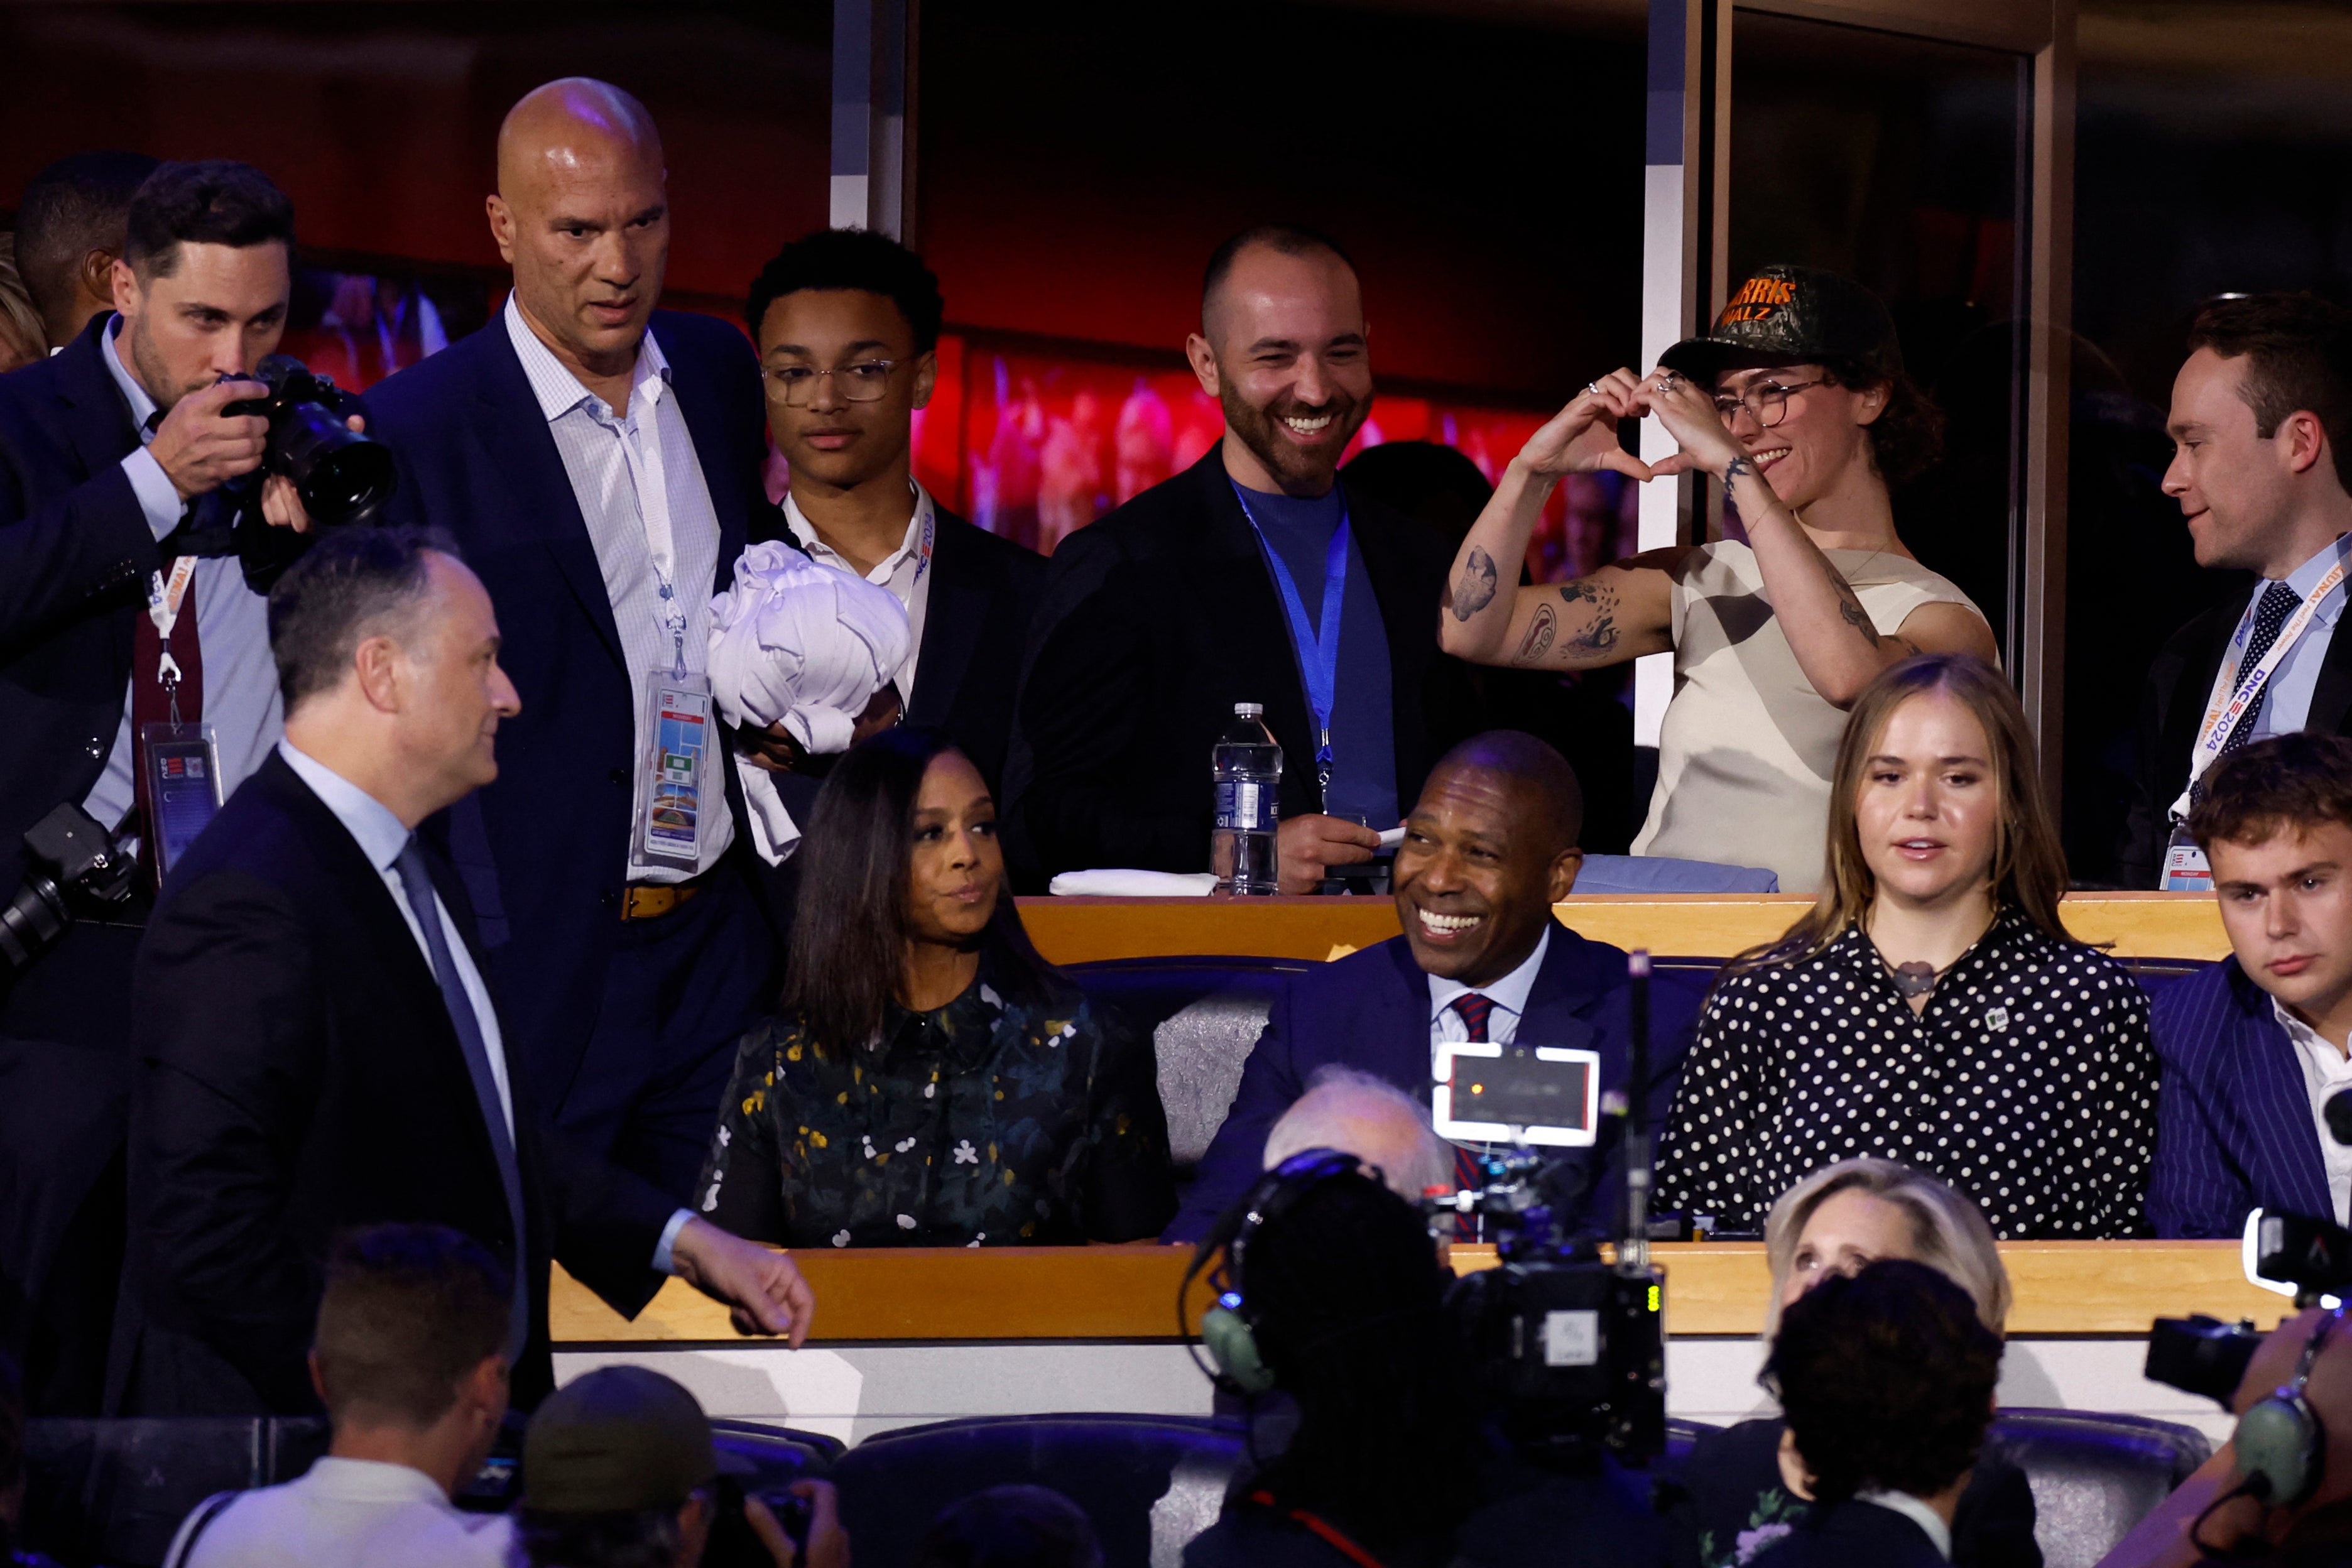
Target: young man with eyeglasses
x=848 y=323
x=1797 y=402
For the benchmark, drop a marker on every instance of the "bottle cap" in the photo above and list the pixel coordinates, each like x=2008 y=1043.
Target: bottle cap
x=1249 y=710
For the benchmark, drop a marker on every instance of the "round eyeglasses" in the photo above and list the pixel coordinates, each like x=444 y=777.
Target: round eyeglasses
x=864 y=381
x=1766 y=402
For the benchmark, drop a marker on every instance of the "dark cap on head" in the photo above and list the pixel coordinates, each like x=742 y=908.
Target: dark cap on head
x=618 y=1439
x=1798 y=315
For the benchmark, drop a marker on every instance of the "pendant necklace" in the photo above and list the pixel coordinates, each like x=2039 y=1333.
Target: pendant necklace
x=1917 y=978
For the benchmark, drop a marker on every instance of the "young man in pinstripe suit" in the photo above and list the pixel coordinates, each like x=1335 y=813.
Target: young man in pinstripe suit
x=2254 y=1047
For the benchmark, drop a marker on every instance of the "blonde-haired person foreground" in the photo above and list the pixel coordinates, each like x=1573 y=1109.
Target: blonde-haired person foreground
x=1745 y=1487
x=1930 y=1006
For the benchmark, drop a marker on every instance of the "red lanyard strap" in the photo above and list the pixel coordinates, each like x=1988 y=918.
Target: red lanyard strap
x=1331 y=1535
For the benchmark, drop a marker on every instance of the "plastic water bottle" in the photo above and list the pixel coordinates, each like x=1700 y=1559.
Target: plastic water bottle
x=1247 y=763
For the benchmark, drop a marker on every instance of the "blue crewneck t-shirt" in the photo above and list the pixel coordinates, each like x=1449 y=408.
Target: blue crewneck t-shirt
x=1363 y=724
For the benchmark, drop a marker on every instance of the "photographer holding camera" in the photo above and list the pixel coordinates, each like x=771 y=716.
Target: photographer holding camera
x=135 y=545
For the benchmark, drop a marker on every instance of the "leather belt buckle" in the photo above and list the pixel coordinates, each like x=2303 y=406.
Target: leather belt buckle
x=651 y=900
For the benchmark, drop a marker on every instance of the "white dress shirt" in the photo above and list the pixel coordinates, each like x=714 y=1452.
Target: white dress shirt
x=641 y=492
x=906 y=572
x=1510 y=996
x=382 y=836
x=346 y=1513
x=232 y=622
x=1917 y=1512
x=2325 y=1071
x=2286 y=700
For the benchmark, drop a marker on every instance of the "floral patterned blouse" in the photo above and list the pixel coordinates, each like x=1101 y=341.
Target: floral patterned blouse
x=987 y=1122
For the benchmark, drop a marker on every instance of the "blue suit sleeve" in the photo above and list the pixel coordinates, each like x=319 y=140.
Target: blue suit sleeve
x=2194 y=1190
x=1236 y=1156
x=55 y=558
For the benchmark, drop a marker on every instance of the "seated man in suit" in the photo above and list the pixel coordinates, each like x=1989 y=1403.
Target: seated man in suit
x=2252 y=1048
x=1886 y=1377
x=848 y=322
x=315 y=1045
x=1489 y=847
x=2262 y=426
x=1258 y=575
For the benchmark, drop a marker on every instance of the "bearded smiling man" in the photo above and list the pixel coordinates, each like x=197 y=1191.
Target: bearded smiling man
x=1240 y=580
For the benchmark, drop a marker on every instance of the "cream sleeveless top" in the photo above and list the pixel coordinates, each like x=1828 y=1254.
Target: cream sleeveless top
x=1747 y=746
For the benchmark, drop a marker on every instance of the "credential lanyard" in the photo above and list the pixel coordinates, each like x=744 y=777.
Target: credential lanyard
x=165 y=595
x=2235 y=692
x=1318 y=655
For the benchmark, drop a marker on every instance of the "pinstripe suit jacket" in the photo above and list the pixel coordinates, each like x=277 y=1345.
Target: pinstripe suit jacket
x=2234 y=1128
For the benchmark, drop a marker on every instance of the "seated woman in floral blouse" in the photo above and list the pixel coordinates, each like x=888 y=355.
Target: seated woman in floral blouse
x=930 y=1080
x=1930 y=1006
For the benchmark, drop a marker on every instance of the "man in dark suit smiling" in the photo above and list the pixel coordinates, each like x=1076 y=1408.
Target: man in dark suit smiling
x=1488 y=848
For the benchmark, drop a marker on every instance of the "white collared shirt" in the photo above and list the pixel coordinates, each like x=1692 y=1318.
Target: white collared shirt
x=1510 y=996
x=639 y=484
x=380 y=837
x=1917 y=1512
x=346 y=1513
x=2325 y=1070
x=906 y=572
x=240 y=700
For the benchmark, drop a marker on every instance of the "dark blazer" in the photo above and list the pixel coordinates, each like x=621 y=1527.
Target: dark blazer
x=1850 y=1534
x=1159 y=619
x=2233 y=1125
x=2172 y=704
x=544 y=850
x=984 y=593
x=74 y=551
x=298 y=1075
x=1369 y=1011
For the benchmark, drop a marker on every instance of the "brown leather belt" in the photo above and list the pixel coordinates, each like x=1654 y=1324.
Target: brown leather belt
x=651 y=900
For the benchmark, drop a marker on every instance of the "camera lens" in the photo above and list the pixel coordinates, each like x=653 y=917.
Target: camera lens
x=342 y=475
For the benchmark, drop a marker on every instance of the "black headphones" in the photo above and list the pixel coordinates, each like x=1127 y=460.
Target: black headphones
x=2281 y=1446
x=1229 y=1329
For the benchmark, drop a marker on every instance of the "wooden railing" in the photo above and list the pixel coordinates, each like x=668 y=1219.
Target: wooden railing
x=1013 y=1293
x=1074 y=931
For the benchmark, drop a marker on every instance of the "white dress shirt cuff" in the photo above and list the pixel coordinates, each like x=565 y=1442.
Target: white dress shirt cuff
x=158 y=498
x=663 y=1262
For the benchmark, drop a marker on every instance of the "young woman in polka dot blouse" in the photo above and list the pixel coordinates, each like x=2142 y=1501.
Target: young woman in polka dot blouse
x=1930 y=1007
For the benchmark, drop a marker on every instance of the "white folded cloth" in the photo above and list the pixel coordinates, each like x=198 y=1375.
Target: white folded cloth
x=1132 y=884
x=805 y=644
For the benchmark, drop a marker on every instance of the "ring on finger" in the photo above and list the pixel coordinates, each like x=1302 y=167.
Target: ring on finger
x=1592 y=388
x=1668 y=380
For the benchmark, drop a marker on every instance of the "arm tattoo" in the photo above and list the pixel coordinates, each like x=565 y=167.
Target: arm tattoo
x=1594 y=643
x=1475 y=590
x=1539 y=636
x=1736 y=468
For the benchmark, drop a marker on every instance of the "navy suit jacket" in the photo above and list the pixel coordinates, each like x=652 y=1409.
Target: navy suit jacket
x=1850 y=1534
x=298 y=1075
x=544 y=850
x=1369 y=1011
x=2233 y=1125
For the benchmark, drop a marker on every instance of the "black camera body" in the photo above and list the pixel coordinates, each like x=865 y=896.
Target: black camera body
x=1570 y=1349
x=72 y=866
x=2201 y=1355
x=342 y=475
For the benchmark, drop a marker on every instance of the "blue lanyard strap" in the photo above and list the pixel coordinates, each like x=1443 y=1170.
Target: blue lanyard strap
x=1318 y=655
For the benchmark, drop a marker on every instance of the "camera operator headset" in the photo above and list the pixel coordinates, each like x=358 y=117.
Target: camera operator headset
x=2278 y=1455
x=1358 y=1272
x=127 y=616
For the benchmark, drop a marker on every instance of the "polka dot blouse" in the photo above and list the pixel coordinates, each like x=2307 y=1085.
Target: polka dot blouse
x=2029 y=1084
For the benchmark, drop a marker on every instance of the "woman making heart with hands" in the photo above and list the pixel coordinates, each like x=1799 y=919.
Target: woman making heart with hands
x=1797 y=404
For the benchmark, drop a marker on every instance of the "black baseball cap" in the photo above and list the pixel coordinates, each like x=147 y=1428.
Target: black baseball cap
x=1796 y=315
x=619 y=1439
